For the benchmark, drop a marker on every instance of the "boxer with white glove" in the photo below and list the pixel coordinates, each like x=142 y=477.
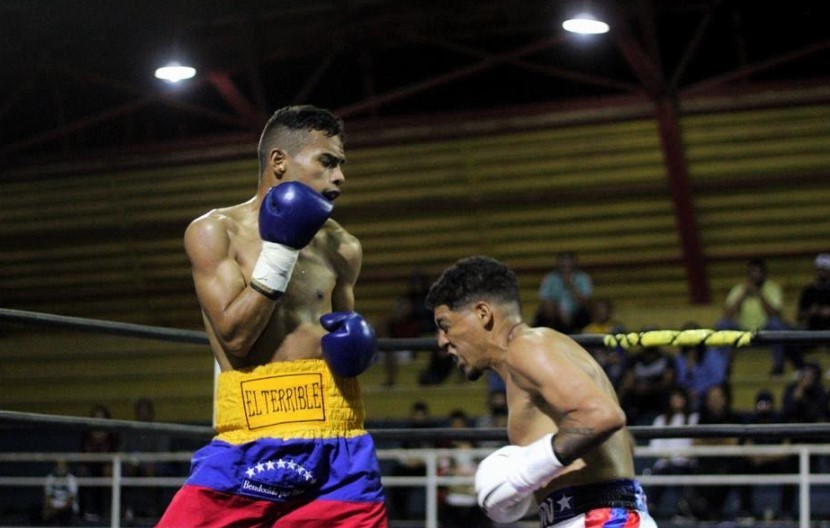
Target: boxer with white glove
x=506 y=479
x=290 y=215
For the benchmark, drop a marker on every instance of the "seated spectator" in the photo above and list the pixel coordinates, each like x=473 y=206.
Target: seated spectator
x=677 y=411
x=764 y=413
x=611 y=359
x=407 y=502
x=700 y=367
x=708 y=503
x=565 y=296
x=141 y=501
x=459 y=508
x=403 y=323
x=60 y=496
x=805 y=399
x=755 y=304
x=602 y=318
x=496 y=416
x=649 y=375
x=95 y=499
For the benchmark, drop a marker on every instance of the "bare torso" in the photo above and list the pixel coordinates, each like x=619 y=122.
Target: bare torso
x=531 y=417
x=293 y=330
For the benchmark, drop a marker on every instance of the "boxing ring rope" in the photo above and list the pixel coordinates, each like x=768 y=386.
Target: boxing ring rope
x=432 y=479
x=643 y=432
x=692 y=337
x=708 y=337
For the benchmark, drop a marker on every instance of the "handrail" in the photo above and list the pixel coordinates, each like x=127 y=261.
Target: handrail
x=431 y=480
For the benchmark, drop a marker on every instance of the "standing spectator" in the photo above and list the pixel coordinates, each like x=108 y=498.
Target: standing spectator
x=755 y=304
x=60 y=496
x=700 y=367
x=95 y=500
x=677 y=411
x=645 y=385
x=764 y=413
x=814 y=302
x=805 y=399
x=459 y=508
x=565 y=296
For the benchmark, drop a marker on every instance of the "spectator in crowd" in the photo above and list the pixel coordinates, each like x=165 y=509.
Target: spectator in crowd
x=496 y=416
x=649 y=375
x=700 y=367
x=60 y=496
x=765 y=413
x=677 y=411
x=611 y=359
x=140 y=501
x=440 y=365
x=755 y=304
x=405 y=502
x=403 y=324
x=708 y=503
x=565 y=296
x=814 y=301
x=95 y=499
x=805 y=399
x=459 y=508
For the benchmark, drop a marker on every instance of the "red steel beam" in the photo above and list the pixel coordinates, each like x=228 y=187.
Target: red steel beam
x=234 y=97
x=439 y=80
x=550 y=71
x=680 y=190
x=754 y=68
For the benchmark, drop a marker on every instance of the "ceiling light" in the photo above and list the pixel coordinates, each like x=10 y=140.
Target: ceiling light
x=585 y=24
x=174 y=72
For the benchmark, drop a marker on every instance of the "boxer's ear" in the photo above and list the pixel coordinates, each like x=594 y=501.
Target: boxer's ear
x=484 y=313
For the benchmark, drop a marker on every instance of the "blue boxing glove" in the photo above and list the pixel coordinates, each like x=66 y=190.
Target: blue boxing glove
x=350 y=345
x=290 y=215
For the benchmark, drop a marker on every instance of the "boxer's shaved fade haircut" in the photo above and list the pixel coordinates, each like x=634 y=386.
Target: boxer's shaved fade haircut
x=288 y=128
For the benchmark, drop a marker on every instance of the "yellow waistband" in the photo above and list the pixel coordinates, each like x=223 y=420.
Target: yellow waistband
x=289 y=399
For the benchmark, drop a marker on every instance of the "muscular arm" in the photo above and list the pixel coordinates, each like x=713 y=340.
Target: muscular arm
x=235 y=312
x=551 y=368
x=772 y=305
x=733 y=301
x=348 y=260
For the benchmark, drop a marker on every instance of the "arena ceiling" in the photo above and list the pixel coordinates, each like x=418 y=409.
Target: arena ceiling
x=77 y=76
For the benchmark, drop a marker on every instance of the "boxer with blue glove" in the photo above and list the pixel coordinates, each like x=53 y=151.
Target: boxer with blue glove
x=290 y=215
x=350 y=345
x=275 y=279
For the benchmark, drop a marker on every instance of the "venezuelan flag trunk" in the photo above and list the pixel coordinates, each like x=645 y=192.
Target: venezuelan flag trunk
x=613 y=504
x=291 y=451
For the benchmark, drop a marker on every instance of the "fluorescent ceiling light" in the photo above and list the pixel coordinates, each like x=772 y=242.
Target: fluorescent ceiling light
x=175 y=72
x=585 y=24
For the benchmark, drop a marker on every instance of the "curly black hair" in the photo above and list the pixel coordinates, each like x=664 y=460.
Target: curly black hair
x=474 y=278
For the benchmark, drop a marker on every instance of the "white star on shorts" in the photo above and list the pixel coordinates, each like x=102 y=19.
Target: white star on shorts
x=564 y=503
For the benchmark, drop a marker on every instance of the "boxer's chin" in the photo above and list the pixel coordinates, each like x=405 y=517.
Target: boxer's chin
x=472 y=374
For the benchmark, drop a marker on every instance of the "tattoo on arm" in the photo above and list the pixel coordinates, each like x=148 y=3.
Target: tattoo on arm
x=571 y=443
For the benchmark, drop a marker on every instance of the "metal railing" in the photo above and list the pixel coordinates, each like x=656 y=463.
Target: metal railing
x=806 y=477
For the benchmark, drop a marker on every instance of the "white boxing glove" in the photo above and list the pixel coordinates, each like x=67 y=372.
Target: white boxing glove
x=506 y=479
